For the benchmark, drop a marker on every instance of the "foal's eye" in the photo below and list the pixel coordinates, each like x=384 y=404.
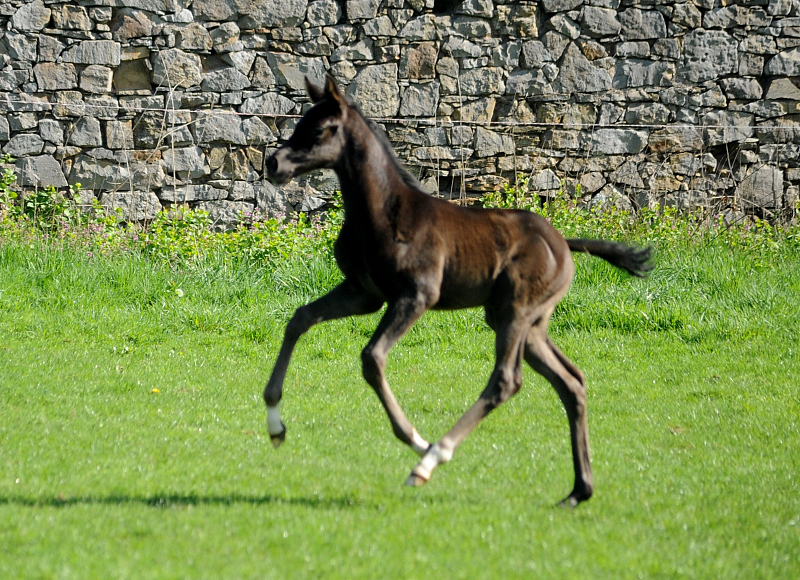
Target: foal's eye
x=329 y=132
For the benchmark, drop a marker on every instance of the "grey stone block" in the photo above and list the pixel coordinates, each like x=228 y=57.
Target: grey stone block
x=96 y=78
x=786 y=63
x=105 y=52
x=270 y=200
x=31 y=17
x=189 y=160
x=268 y=104
x=741 y=88
x=119 y=135
x=489 y=143
x=783 y=88
x=24 y=144
x=708 y=54
x=291 y=70
x=174 y=68
x=528 y=83
x=727 y=127
x=51 y=131
x=642 y=24
x=256 y=132
x=86 y=133
x=375 y=88
x=381 y=26
x=216 y=10
x=577 y=74
x=70 y=17
x=482 y=8
x=323 y=13
x=419 y=28
x=560 y=5
x=191 y=193
x=219 y=127
x=20 y=47
x=100 y=174
x=482 y=81
x=40 y=171
x=272 y=13
x=763 y=188
x=617 y=141
x=420 y=100
x=224 y=80
x=362 y=9
x=133 y=206
x=600 y=22
x=193 y=37
x=22 y=121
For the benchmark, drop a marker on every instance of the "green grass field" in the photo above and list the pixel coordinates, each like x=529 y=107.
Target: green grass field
x=132 y=439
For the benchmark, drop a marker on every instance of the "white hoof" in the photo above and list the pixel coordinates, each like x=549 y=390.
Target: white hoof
x=415 y=480
x=278 y=439
x=422 y=472
x=275 y=427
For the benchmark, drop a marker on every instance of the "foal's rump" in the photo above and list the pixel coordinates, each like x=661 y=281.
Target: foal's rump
x=513 y=252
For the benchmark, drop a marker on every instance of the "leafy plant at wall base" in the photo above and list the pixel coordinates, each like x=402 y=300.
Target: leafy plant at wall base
x=182 y=237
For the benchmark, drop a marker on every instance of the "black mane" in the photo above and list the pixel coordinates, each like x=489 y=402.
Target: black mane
x=383 y=139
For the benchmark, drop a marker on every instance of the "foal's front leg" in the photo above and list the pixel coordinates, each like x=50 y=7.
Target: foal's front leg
x=399 y=317
x=343 y=301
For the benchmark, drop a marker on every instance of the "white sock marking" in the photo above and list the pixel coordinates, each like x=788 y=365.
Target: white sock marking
x=274 y=424
x=418 y=444
x=435 y=456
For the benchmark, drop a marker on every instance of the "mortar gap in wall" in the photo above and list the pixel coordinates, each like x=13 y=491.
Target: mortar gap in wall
x=445 y=6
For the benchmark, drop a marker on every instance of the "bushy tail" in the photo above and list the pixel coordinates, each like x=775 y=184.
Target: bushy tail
x=635 y=261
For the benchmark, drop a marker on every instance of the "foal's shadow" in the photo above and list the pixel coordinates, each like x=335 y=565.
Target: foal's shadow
x=184 y=500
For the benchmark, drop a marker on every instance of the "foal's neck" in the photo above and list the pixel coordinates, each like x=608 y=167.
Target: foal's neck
x=368 y=174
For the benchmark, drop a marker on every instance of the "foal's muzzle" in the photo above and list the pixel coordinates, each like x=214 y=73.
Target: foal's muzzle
x=278 y=172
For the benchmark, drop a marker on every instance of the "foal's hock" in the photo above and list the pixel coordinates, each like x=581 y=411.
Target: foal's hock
x=401 y=246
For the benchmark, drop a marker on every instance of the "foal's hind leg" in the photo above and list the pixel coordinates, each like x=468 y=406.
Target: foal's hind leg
x=344 y=300
x=505 y=382
x=569 y=383
x=400 y=315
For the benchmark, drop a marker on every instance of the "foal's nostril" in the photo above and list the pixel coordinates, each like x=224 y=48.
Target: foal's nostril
x=272 y=165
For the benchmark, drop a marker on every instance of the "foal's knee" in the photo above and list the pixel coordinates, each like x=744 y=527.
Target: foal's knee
x=511 y=385
x=504 y=385
x=299 y=324
x=372 y=365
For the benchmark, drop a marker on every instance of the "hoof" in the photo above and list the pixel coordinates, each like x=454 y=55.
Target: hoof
x=278 y=439
x=568 y=502
x=415 y=480
x=573 y=499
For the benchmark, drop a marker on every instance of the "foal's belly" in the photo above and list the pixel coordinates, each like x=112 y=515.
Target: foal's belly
x=458 y=293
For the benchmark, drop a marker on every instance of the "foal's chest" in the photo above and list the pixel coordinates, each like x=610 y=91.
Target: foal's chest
x=366 y=262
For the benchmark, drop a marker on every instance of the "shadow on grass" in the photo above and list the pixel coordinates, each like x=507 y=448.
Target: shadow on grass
x=178 y=500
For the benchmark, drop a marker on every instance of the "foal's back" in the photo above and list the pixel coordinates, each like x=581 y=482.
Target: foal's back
x=486 y=251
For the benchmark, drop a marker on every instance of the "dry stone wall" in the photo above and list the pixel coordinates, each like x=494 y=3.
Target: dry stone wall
x=148 y=103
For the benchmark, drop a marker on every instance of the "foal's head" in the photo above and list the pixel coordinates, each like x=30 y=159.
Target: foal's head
x=317 y=141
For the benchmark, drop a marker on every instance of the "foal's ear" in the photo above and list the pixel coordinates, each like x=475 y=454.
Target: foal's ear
x=332 y=91
x=314 y=92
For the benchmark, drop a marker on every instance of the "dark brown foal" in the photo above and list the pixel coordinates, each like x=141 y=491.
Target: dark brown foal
x=414 y=252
